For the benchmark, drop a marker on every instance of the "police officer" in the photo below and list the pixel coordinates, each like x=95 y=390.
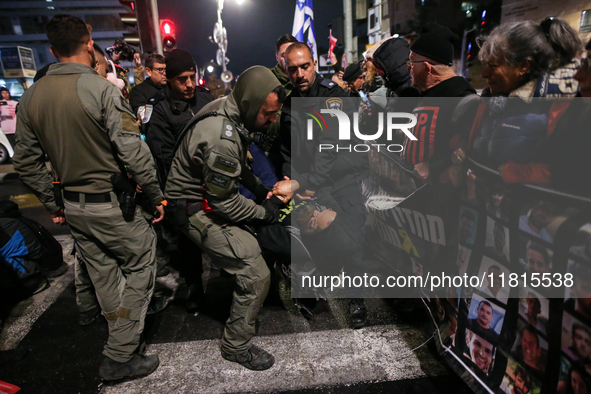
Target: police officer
x=181 y=100
x=279 y=70
x=204 y=176
x=316 y=173
x=269 y=141
x=87 y=129
x=172 y=110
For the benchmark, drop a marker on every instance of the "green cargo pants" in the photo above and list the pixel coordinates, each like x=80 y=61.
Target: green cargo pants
x=237 y=252
x=112 y=249
x=86 y=300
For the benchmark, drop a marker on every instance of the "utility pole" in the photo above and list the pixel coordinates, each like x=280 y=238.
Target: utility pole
x=156 y=23
x=350 y=52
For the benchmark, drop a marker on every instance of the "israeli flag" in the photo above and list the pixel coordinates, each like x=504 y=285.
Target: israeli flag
x=303 y=25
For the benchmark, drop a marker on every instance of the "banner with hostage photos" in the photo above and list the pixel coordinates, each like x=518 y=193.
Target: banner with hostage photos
x=526 y=326
x=518 y=317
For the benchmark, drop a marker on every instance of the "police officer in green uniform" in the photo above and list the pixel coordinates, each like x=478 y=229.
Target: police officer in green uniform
x=270 y=141
x=203 y=188
x=316 y=173
x=180 y=101
x=85 y=126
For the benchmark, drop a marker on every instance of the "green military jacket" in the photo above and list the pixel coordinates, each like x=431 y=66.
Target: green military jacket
x=85 y=126
x=283 y=78
x=211 y=158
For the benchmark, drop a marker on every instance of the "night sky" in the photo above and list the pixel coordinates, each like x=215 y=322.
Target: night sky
x=253 y=27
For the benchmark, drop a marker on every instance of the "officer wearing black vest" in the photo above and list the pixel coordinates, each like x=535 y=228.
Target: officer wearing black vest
x=317 y=174
x=172 y=110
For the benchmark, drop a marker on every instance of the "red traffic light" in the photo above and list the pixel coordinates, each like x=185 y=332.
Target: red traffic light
x=167 y=27
x=201 y=82
x=168 y=32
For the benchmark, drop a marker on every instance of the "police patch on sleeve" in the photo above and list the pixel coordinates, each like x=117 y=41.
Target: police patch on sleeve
x=228 y=131
x=220 y=180
x=144 y=113
x=334 y=103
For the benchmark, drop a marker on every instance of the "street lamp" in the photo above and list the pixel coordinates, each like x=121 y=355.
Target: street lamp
x=220 y=37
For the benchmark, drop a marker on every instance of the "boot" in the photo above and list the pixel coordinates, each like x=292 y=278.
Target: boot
x=137 y=366
x=196 y=298
x=162 y=267
x=254 y=358
x=87 y=319
x=358 y=312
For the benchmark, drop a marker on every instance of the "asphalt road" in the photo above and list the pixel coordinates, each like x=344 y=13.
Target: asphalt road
x=321 y=355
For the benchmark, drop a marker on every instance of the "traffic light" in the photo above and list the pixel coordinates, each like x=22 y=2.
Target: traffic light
x=130 y=20
x=469 y=56
x=483 y=21
x=168 y=33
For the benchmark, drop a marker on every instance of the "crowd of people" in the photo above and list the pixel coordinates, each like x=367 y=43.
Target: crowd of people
x=200 y=154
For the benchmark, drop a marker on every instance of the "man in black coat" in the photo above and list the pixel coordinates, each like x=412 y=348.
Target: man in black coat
x=173 y=108
x=142 y=92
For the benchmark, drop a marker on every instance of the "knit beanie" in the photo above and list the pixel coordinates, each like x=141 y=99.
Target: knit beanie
x=436 y=42
x=352 y=72
x=178 y=61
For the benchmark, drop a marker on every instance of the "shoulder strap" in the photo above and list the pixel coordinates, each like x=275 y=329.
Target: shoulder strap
x=159 y=96
x=196 y=119
x=328 y=83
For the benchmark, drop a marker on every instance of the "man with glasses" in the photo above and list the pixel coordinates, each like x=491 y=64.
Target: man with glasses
x=155 y=83
x=180 y=100
x=430 y=67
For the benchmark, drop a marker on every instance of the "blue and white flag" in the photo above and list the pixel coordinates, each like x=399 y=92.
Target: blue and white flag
x=303 y=25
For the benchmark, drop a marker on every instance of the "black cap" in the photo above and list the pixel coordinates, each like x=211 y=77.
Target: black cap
x=178 y=61
x=352 y=72
x=436 y=42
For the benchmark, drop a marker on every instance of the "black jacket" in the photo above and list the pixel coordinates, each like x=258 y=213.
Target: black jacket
x=440 y=119
x=392 y=56
x=303 y=162
x=141 y=93
x=166 y=123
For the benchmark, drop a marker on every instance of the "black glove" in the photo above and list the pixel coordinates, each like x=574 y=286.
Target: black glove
x=271 y=211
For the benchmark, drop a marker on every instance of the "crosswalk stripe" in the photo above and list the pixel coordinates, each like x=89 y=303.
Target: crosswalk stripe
x=303 y=360
x=26 y=200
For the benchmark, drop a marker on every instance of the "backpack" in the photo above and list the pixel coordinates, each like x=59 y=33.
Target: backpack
x=30 y=247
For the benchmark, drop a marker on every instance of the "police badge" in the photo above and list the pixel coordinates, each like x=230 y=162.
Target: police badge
x=144 y=113
x=334 y=103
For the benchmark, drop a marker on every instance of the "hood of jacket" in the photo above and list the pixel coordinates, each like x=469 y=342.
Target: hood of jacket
x=249 y=94
x=391 y=56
